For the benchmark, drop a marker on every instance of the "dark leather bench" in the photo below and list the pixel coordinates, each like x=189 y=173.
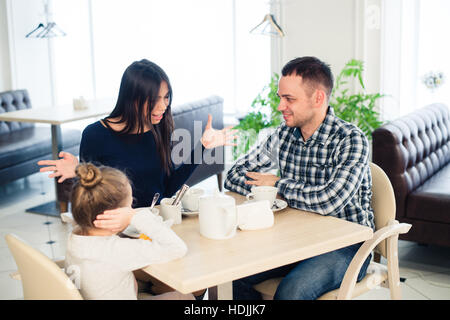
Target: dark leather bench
x=23 y=144
x=414 y=151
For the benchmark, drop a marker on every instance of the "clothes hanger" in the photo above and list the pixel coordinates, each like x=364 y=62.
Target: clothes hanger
x=269 y=22
x=48 y=31
x=41 y=25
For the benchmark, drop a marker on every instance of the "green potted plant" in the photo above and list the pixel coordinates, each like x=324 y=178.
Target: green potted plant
x=263 y=114
x=357 y=108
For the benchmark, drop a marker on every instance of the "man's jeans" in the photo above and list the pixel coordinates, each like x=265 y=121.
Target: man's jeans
x=304 y=280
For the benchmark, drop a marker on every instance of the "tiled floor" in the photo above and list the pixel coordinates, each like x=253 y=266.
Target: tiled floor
x=425 y=268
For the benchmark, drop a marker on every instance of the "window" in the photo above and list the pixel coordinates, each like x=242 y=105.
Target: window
x=433 y=50
x=203 y=45
x=414 y=46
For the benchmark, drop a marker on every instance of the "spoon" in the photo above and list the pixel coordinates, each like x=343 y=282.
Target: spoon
x=155 y=198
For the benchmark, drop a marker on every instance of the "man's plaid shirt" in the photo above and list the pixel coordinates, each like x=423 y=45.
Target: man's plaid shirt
x=328 y=174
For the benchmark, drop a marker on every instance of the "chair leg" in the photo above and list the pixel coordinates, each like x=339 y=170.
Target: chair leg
x=63 y=206
x=393 y=270
x=219 y=181
x=212 y=293
x=376 y=257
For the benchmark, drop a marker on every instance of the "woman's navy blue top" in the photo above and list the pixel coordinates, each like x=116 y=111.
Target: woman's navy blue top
x=137 y=156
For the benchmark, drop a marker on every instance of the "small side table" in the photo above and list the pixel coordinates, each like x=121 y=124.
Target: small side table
x=55 y=117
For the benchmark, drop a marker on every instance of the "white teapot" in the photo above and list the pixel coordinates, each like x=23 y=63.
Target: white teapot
x=217 y=216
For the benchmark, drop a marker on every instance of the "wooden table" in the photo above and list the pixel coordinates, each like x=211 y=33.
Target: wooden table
x=55 y=117
x=296 y=235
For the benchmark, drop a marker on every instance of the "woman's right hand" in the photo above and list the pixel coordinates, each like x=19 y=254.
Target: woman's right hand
x=63 y=168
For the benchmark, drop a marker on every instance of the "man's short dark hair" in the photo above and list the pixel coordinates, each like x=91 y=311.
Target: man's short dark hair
x=313 y=72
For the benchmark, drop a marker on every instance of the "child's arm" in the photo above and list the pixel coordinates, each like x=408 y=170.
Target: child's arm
x=132 y=254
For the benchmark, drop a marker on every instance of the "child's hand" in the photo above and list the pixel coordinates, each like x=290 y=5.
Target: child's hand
x=115 y=220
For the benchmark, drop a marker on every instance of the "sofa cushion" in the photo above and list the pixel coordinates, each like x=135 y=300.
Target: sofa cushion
x=431 y=201
x=29 y=143
x=13 y=101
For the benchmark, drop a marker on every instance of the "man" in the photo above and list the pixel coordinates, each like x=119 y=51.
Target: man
x=324 y=168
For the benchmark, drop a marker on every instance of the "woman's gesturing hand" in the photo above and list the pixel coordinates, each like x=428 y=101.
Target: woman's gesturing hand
x=214 y=138
x=63 y=168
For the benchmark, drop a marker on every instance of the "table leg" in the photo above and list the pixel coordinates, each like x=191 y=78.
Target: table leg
x=225 y=291
x=212 y=293
x=51 y=208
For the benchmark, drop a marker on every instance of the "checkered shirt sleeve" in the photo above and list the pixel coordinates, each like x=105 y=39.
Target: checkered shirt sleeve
x=262 y=158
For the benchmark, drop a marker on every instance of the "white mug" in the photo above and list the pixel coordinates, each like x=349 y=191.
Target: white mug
x=263 y=193
x=255 y=215
x=191 y=198
x=169 y=211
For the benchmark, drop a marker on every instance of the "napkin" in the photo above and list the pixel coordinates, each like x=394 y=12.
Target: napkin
x=255 y=215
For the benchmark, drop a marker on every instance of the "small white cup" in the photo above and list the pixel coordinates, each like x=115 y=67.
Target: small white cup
x=191 y=198
x=263 y=193
x=169 y=211
x=255 y=215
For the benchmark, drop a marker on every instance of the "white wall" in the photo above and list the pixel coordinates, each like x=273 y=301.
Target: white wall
x=334 y=31
x=5 y=70
x=321 y=28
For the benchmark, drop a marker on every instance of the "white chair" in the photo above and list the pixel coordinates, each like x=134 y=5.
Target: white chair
x=42 y=278
x=383 y=242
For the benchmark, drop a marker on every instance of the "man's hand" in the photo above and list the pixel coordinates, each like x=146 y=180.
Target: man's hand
x=261 y=179
x=115 y=220
x=63 y=168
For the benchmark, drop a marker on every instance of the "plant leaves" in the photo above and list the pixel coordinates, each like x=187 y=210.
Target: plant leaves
x=357 y=108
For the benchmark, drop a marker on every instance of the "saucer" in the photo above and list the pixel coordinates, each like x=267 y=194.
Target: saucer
x=280 y=205
x=131 y=231
x=188 y=212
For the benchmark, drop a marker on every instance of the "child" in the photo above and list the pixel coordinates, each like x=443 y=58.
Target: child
x=102 y=262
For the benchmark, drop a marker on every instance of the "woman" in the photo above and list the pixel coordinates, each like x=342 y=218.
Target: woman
x=135 y=137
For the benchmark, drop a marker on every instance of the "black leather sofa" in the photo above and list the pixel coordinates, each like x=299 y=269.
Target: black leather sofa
x=186 y=116
x=414 y=151
x=23 y=144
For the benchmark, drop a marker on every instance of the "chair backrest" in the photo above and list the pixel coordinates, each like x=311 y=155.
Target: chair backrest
x=383 y=202
x=42 y=279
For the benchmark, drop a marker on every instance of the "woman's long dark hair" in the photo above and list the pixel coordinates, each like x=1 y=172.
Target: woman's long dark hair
x=139 y=89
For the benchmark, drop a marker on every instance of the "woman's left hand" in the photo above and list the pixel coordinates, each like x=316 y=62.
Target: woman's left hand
x=215 y=138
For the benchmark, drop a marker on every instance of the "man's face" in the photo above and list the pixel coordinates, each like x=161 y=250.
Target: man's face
x=296 y=101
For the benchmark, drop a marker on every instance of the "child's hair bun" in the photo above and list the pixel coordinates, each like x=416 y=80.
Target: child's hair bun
x=88 y=174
